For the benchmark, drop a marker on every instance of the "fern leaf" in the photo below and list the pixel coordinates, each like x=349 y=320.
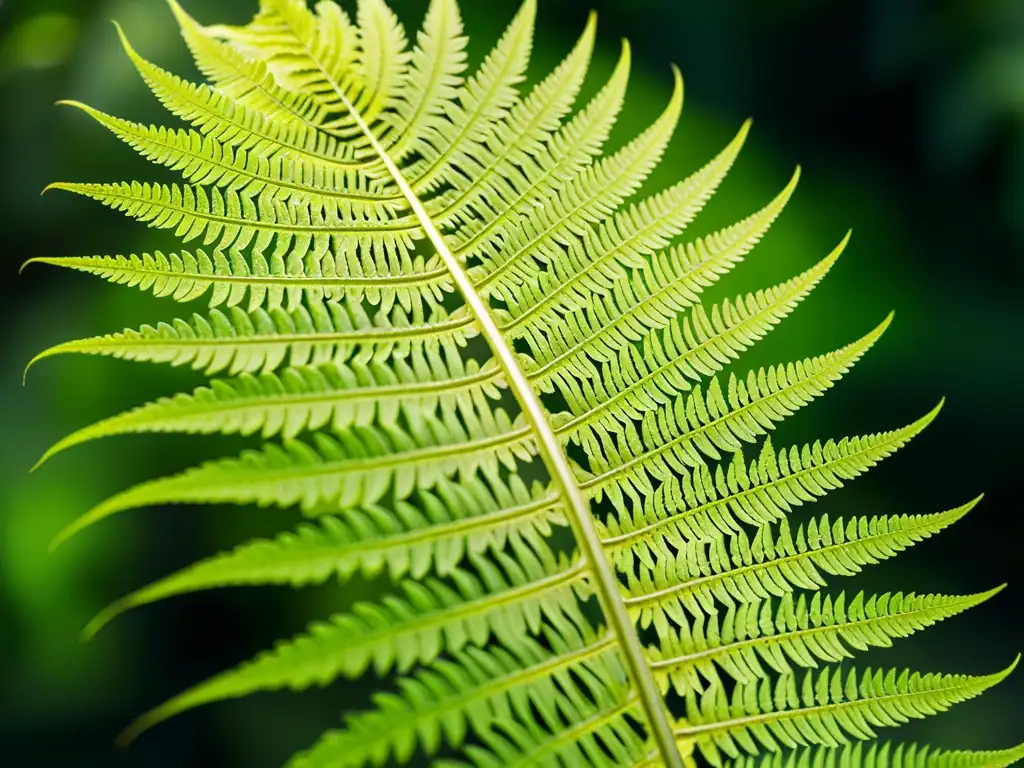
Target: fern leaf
x=230 y=278
x=660 y=290
x=675 y=437
x=587 y=198
x=360 y=211
x=827 y=709
x=506 y=599
x=355 y=466
x=743 y=568
x=433 y=535
x=231 y=220
x=432 y=82
x=883 y=756
x=473 y=691
x=801 y=632
x=307 y=399
x=483 y=101
x=595 y=262
x=640 y=379
x=204 y=160
x=241 y=342
x=705 y=504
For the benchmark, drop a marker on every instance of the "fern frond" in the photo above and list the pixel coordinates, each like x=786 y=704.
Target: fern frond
x=309 y=398
x=433 y=535
x=795 y=631
x=476 y=689
x=704 y=504
x=597 y=733
x=676 y=437
x=354 y=466
x=362 y=208
x=642 y=378
x=883 y=756
x=230 y=278
x=592 y=264
x=246 y=342
x=667 y=284
x=587 y=198
x=829 y=708
x=508 y=599
x=746 y=568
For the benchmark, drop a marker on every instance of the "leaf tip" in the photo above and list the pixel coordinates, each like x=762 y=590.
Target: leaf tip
x=888 y=319
x=929 y=417
x=992 y=592
x=626 y=56
x=125 y=44
x=44 y=354
x=1009 y=670
x=66 y=533
x=126 y=737
x=33 y=361
x=101 y=619
x=958 y=513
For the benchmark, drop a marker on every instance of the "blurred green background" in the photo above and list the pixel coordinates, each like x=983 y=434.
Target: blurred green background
x=908 y=119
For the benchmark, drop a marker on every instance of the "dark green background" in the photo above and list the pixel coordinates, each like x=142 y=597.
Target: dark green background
x=907 y=118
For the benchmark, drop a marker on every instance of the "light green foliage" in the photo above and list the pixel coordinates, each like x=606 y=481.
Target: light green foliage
x=476 y=352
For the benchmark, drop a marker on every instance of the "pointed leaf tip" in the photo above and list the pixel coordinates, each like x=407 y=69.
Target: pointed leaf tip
x=125 y=44
x=28 y=367
x=846 y=239
x=1010 y=669
x=49 y=454
x=882 y=327
x=66 y=533
x=132 y=732
x=180 y=13
x=94 y=515
x=994 y=591
x=930 y=416
x=101 y=619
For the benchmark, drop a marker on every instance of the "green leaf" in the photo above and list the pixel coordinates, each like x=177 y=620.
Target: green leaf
x=477 y=345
